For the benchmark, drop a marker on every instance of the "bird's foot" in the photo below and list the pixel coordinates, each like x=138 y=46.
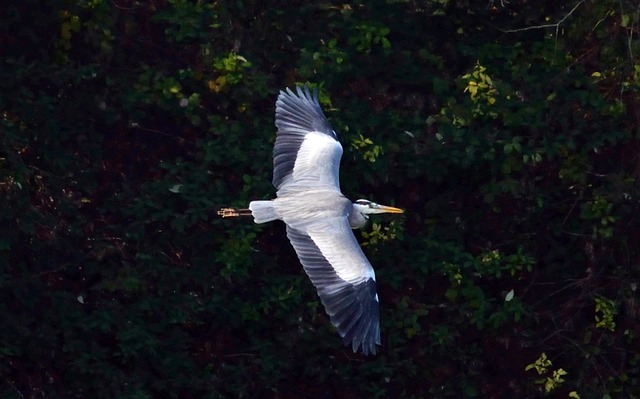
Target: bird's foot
x=234 y=212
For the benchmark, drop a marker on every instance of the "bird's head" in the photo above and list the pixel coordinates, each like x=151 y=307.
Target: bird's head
x=366 y=207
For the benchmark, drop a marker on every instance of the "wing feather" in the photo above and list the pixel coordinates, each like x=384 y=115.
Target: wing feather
x=306 y=147
x=345 y=280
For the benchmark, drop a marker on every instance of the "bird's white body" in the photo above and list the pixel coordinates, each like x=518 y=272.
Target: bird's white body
x=325 y=224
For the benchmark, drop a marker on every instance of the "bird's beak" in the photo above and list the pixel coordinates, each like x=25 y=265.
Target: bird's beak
x=387 y=209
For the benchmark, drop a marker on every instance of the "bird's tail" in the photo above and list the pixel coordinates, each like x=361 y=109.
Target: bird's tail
x=263 y=211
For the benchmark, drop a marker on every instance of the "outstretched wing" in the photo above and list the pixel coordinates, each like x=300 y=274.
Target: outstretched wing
x=344 y=279
x=306 y=148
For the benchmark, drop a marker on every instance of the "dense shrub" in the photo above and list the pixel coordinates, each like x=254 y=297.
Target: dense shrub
x=508 y=130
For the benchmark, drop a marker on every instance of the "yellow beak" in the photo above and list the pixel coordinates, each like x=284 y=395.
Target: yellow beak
x=388 y=209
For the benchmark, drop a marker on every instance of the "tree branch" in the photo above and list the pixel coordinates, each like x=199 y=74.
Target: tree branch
x=556 y=25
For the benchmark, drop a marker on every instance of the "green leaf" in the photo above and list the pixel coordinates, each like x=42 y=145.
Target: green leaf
x=624 y=20
x=509 y=296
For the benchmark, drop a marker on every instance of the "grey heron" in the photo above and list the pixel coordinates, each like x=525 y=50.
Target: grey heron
x=319 y=219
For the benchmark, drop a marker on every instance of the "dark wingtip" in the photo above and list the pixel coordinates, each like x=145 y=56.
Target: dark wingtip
x=366 y=349
x=361 y=332
x=300 y=109
x=310 y=94
x=368 y=344
x=302 y=92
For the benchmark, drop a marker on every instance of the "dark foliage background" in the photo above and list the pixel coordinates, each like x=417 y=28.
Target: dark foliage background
x=508 y=130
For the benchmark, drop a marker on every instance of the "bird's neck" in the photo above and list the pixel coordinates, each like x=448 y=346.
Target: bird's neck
x=357 y=219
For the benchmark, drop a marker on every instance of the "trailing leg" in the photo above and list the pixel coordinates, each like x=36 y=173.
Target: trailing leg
x=234 y=212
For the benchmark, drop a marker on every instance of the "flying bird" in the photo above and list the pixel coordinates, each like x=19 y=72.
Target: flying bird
x=319 y=219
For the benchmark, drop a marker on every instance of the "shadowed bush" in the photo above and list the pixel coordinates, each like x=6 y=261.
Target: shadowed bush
x=513 y=146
